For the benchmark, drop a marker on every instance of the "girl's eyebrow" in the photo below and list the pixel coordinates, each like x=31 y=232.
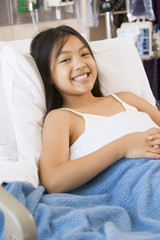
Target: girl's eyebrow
x=66 y=52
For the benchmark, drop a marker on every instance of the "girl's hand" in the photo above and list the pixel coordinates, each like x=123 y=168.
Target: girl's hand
x=154 y=140
x=143 y=144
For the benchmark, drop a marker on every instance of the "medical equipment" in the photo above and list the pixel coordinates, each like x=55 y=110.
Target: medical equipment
x=141 y=32
x=16 y=12
x=147 y=40
x=28 y=5
x=140 y=9
x=48 y=4
x=31 y=6
x=145 y=35
x=23 y=6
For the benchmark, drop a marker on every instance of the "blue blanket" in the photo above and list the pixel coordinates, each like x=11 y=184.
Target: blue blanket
x=123 y=202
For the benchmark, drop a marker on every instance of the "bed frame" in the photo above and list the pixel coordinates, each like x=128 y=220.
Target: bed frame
x=19 y=223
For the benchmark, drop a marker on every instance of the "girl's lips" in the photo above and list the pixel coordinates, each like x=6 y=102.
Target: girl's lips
x=81 y=78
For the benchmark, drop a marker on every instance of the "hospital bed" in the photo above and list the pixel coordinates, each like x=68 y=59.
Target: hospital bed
x=31 y=213
x=19 y=223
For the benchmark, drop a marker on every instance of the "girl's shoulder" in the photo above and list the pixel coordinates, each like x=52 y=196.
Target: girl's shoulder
x=129 y=97
x=57 y=116
x=61 y=116
x=126 y=94
x=134 y=100
x=57 y=113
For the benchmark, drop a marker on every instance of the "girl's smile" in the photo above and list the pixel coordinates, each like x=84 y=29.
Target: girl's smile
x=81 y=78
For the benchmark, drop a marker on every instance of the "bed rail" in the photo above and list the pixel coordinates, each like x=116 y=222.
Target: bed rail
x=19 y=223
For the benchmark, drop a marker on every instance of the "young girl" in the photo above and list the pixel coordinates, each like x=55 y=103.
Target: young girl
x=81 y=124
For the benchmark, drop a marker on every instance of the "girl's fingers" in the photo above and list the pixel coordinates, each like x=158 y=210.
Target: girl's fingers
x=154 y=140
x=154 y=150
x=153 y=137
x=156 y=147
x=154 y=156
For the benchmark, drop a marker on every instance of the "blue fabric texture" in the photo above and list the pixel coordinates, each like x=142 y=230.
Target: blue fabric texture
x=123 y=202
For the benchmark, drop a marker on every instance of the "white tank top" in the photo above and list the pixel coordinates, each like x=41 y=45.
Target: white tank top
x=91 y=119
x=101 y=130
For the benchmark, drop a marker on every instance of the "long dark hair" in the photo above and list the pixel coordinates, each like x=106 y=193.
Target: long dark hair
x=41 y=49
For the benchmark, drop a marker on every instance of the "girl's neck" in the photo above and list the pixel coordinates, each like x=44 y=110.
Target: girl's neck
x=79 y=101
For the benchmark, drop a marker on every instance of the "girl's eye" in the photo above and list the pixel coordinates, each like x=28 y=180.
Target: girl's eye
x=85 y=54
x=65 y=60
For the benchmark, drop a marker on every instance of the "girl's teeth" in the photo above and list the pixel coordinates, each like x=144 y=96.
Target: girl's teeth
x=80 y=78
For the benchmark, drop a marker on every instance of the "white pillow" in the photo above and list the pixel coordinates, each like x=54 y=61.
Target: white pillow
x=119 y=67
x=6 y=137
x=8 y=148
x=10 y=168
x=26 y=100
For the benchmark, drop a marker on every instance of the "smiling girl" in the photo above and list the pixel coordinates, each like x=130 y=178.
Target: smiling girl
x=82 y=125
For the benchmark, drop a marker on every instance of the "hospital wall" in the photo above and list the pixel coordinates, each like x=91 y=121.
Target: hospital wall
x=22 y=31
x=15 y=24
x=16 y=19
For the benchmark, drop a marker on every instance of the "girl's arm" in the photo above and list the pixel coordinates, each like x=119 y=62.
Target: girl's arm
x=58 y=174
x=144 y=106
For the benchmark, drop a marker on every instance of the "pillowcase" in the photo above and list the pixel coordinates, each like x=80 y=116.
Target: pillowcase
x=8 y=148
x=26 y=100
x=6 y=137
x=119 y=68
x=24 y=92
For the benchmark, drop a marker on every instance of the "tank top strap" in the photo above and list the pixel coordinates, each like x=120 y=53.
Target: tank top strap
x=71 y=110
x=81 y=114
x=126 y=106
x=90 y=119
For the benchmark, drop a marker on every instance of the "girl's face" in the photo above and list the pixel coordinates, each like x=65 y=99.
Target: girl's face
x=74 y=72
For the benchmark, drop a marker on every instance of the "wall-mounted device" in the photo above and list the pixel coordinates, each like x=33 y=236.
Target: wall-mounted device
x=23 y=6
x=48 y=4
x=141 y=32
x=13 y=12
x=27 y=5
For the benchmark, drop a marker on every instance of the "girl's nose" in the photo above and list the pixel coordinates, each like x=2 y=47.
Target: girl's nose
x=79 y=65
